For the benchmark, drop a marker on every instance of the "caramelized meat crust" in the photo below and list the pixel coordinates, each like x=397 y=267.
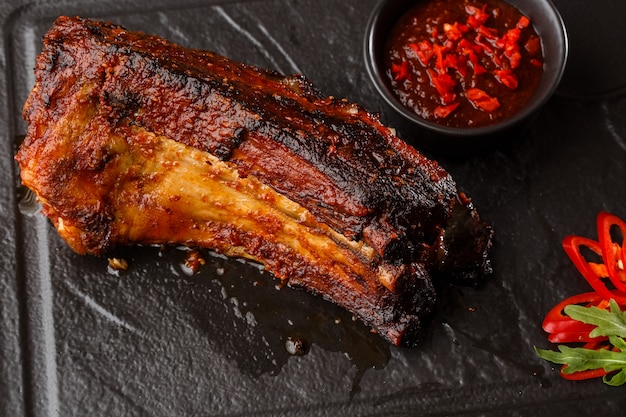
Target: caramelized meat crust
x=133 y=139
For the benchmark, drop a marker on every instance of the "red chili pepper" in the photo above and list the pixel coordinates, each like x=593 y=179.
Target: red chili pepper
x=423 y=50
x=511 y=51
x=441 y=112
x=479 y=48
x=612 y=252
x=572 y=246
x=444 y=84
x=533 y=45
x=536 y=62
x=498 y=62
x=564 y=329
x=609 y=268
x=512 y=36
x=484 y=47
x=515 y=60
x=507 y=77
x=461 y=65
x=582 y=375
x=480 y=99
x=476 y=16
x=439 y=51
x=472 y=22
x=488 y=33
x=479 y=69
x=523 y=22
x=452 y=31
x=450 y=61
x=476 y=65
x=464 y=45
x=400 y=71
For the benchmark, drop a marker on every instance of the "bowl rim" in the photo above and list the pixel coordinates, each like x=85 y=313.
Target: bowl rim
x=536 y=101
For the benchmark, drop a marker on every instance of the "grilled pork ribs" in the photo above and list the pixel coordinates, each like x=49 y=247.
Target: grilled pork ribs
x=133 y=139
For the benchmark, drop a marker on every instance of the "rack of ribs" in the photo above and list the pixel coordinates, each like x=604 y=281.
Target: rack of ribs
x=135 y=140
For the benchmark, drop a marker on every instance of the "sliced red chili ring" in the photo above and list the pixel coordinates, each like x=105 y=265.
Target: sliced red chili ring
x=582 y=375
x=563 y=328
x=612 y=252
x=572 y=245
x=565 y=325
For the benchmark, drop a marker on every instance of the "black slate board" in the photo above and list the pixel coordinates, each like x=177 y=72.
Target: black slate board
x=76 y=339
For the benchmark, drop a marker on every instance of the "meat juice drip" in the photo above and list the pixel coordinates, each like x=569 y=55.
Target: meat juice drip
x=464 y=64
x=275 y=322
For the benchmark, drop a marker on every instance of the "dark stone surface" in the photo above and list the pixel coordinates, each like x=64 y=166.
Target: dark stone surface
x=77 y=339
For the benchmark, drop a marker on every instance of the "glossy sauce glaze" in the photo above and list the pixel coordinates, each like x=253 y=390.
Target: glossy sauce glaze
x=464 y=63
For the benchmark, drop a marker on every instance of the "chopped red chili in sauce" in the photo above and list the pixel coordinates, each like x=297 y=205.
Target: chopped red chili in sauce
x=464 y=63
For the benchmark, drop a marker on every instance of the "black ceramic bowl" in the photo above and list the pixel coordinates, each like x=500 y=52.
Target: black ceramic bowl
x=546 y=21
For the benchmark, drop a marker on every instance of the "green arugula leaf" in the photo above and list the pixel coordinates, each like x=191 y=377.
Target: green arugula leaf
x=617 y=380
x=618 y=342
x=609 y=323
x=580 y=359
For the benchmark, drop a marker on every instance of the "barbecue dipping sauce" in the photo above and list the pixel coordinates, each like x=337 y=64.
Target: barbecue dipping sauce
x=463 y=63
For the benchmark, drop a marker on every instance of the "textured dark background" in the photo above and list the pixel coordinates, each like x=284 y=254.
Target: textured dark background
x=78 y=340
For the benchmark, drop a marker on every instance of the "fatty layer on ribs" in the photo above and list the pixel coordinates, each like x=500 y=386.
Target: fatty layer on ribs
x=133 y=139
